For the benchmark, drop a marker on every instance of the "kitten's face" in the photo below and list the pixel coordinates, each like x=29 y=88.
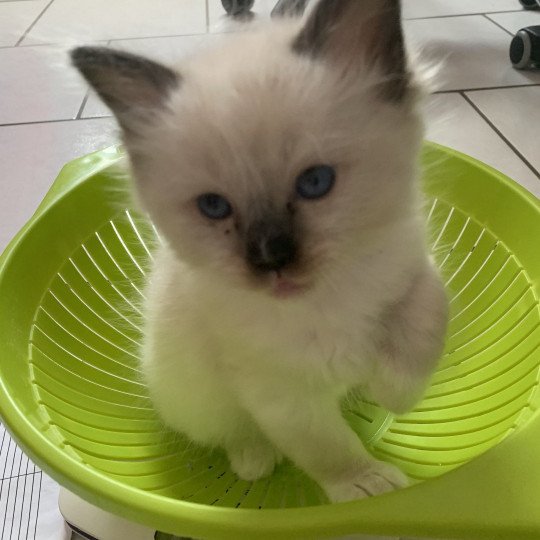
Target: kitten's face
x=270 y=171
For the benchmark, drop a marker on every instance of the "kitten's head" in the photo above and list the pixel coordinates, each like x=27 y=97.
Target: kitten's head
x=273 y=160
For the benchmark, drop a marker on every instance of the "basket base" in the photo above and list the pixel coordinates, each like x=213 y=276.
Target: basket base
x=89 y=522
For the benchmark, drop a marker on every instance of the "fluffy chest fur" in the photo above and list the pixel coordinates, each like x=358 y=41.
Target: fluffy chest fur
x=327 y=336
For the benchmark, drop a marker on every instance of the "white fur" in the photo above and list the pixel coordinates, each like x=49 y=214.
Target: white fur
x=226 y=362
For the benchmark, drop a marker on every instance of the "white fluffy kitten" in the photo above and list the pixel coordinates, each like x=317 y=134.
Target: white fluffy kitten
x=281 y=169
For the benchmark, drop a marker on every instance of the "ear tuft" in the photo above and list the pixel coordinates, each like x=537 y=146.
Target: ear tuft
x=356 y=33
x=132 y=86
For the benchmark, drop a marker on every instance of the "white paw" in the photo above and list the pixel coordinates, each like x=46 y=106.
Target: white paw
x=377 y=478
x=254 y=462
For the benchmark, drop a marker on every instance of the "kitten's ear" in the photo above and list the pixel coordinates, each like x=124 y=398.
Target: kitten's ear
x=357 y=33
x=133 y=87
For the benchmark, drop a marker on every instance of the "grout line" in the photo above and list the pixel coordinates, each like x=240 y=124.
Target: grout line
x=156 y=37
x=207 y=16
x=483 y=13
x=500 y=134
x=57 y=121
x=34 y=23
x=109 y=40
x=26 y=46
x=497 y=24
x=83 y=105
x=480 y=89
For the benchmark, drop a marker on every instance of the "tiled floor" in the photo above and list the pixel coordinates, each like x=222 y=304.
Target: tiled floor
x=484 y=107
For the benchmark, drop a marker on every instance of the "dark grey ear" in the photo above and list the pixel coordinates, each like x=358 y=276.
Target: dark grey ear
x=132 y=86
x=355 y=33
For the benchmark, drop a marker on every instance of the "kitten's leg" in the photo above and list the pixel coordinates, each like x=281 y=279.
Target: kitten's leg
x=251 y=454
x=313 y=434
x=411 y=344
x=203 y=408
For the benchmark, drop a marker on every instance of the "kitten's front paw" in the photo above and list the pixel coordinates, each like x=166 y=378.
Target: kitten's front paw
x=254 y=462
x=377 y=478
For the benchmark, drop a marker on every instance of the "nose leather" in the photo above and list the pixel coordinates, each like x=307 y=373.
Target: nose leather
x=270 y=246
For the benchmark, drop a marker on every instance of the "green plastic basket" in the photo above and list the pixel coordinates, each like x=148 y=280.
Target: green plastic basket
x=71 y=392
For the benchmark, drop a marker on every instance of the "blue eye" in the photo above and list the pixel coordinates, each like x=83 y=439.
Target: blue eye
x=214 y=206
x=316 y=182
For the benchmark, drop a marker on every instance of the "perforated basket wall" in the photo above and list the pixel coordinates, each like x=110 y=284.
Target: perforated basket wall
x=79 y=381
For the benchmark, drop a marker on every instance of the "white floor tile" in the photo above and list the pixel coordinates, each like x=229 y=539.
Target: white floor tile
x=516 y=113
x=438 y=8
x=16 y=17
x=30 y=159
x=87 y=20
x=454 y=122
x=514 y=22
x=169 y=50
x=473 y=52
x=41 y=86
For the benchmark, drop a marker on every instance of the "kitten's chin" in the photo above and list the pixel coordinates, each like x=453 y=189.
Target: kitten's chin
x=283 y=287
x=278 y=285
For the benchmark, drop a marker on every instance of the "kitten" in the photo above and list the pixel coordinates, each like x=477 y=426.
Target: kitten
x=281 y=170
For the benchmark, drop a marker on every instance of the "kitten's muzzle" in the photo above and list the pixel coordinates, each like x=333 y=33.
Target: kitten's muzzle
x=270 y=247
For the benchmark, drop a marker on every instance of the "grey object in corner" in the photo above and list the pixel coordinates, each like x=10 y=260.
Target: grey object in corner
x=289 y=8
